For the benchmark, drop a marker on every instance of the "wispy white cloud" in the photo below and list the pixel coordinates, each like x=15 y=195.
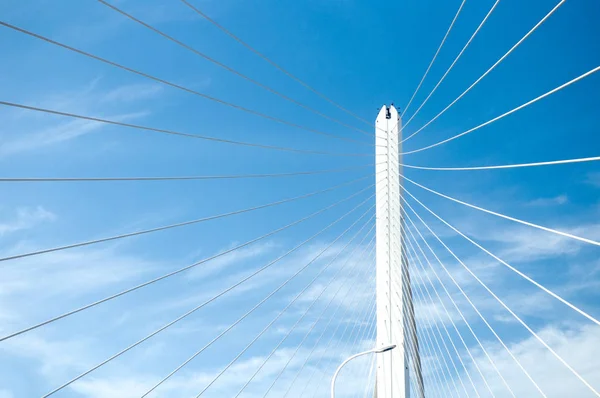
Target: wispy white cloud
x=514 y=242
x=554 y=201
x=429 y=314
x=26 y=218
x=593 y=179
x=235 y=258
x=132 y=92
x=187 y=383
x=34 y=288
x=117 y=387
x=529 y=245
x=244 y=264
x=32 y=131
x=127 y=381
x=353 y=274
x=578 y=345
x=78 y=271
x=55 y=359
x=58 y=133
x=134 y=381
x=522 y=246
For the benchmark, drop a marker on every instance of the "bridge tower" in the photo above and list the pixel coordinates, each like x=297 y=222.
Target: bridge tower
x=395 y=313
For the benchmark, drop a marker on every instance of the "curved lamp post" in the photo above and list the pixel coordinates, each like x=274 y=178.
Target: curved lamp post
x=373 y=351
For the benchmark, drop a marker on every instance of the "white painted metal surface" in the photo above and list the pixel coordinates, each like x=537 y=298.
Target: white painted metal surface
x=391 y=382
x=394 y=296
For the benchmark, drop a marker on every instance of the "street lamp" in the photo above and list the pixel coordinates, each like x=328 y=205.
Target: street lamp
x=373 y=351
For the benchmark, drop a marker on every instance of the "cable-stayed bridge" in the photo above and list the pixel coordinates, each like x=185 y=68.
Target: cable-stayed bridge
x=364 y=261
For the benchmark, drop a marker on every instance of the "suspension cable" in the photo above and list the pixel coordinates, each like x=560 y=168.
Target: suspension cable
x=366 y=332
x=370 y=366
x=228 y=68
x=368 y=384
x=466 y=297
x=362 y=316
x=366 y=314
x=431 y=338
x=485 y=352
x=527 y=278
x=428 y=338
x=310 y=330
x=346 y=311
x=407 y=324
x=411 y=323
x=174 y=132
x=266 y=328
x=225 y=291
x=357 y=327
x=180 y=178
x=525 y=105
x=451 y=66
x=554 y=231
x=436 y=339
x=180 y=270
x=507 y=166
x=177 y=86
x=491 y=68
x=181 y=224
x=534 y=334
x=264 y=57
x=448 y=355
x=365 y=329
x=467 y=350
x=435 y=56
x=456 y=330
x=443 y=341
x=307 y=310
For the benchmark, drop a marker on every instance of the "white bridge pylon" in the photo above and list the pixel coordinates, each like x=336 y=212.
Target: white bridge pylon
x=395 y=313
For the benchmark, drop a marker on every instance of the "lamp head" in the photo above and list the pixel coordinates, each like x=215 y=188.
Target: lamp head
x=385 y=348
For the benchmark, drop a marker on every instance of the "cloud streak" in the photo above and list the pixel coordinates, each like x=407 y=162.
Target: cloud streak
x=31 y=131
x=26 y=218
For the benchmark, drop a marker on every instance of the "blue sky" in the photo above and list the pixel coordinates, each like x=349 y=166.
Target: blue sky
x=359 y=54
